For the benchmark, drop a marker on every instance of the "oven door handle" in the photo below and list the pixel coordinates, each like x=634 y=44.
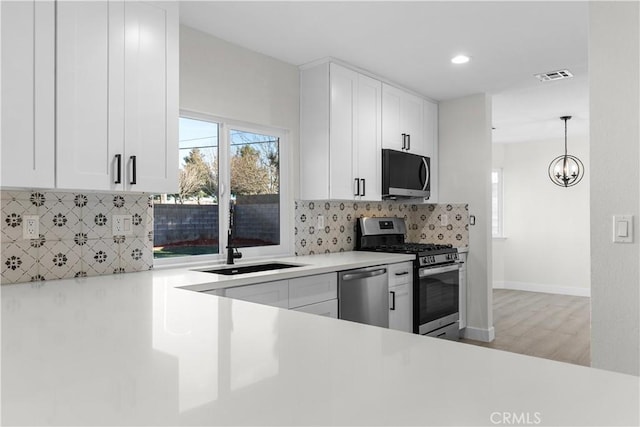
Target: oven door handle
x=424 y=272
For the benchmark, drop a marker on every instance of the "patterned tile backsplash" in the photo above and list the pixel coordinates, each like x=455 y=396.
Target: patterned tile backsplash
x=75 y=238
x=339 y=232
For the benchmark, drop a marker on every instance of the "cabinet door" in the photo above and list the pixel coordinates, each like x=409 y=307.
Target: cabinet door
x=392 y=118
x=401 y=308
x=275 y=294
x=344 y=85
x=368 y=145
x=27 y=61
x=325 y=308
x=312 y=289
x=89 y=109
x=411 y=122
x=431 y=144
x=151 y=96
x=463 y=292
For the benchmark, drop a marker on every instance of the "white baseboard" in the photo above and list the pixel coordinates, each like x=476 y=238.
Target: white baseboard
x=538 y=287
x=479 y=334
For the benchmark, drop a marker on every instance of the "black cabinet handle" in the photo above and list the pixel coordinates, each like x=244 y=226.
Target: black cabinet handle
x=362 y=194
x=404 y=273
x=118 y=169
x=357 y=193
x=393 y=300
x=133 y=170
x=404 y=141
x=408 y=142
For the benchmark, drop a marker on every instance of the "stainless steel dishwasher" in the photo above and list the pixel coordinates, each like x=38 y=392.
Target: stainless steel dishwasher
x=363 y=295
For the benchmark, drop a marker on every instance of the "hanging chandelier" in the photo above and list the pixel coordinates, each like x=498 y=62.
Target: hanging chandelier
x=566 y=170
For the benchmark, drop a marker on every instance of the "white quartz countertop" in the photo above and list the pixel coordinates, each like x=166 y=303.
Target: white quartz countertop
x=136 y=349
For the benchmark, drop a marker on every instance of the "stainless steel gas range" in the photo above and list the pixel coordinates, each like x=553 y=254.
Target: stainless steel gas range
x=436 y=283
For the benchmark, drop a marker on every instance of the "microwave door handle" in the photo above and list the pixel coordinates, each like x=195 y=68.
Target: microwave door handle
x=422 y=183
x=426 y=174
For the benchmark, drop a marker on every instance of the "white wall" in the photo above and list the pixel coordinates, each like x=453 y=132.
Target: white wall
x=614 y=71
x=465 y=160
x=229 y=81
x=497 y=153
x=547 y=227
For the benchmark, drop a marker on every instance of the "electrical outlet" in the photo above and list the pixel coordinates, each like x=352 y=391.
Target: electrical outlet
x=122 y=225
x=30 y=227
x=444 y=220
x=320 y=221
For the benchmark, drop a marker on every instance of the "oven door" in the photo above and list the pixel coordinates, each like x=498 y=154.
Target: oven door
x=438 y=290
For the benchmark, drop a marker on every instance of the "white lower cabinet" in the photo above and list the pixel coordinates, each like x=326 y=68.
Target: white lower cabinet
x=325 y=308
x=401 y=296
x=275 y=294
x=310 y=294
x=400 y=308
x=463 y=291
x=312 y=289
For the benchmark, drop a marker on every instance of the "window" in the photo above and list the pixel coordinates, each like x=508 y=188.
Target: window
x=230 y=173
x=497 y=207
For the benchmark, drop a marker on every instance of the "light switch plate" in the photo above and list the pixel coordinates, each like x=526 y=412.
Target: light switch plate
x=623 y=228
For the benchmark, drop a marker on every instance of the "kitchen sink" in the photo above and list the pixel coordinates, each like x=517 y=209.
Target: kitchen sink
x=243 y=269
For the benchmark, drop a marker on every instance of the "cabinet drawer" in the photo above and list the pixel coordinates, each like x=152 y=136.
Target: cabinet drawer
x=400 y=273
x=312 y=289
x=325 y=308
x=275 y=294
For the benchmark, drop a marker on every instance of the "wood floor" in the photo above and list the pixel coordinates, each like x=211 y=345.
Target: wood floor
x=550 y=326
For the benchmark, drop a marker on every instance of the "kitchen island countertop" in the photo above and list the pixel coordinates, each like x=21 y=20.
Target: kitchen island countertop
x=136 y=349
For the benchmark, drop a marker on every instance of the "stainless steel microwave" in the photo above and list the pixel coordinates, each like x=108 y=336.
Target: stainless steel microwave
x=405 y=175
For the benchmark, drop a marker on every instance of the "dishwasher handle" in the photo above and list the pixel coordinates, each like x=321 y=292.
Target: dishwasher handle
x=364 y=274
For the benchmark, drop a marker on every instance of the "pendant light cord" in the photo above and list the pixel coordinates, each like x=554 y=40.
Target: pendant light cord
x=565 y=135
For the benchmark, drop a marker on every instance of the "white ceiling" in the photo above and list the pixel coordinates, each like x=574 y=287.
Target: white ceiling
x=411 y=43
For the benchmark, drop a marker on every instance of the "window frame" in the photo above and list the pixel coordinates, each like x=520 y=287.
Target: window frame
x=500 y=202
x=224 y=177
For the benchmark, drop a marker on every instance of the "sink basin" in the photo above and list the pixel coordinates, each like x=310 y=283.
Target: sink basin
x=243 y=269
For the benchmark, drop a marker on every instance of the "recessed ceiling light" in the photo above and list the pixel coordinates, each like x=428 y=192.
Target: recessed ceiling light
x=460 y=59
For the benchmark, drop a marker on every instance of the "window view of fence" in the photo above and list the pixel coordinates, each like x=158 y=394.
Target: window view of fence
x=187 y=223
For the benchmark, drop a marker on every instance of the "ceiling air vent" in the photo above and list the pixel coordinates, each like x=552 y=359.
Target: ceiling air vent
x=554 y=75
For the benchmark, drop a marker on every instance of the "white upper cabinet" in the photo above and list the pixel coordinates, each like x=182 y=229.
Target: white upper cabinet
x=28 y=87
x=117 y=96
x=340 y=127
x=87 y=95
x=402 y=121
x=151 y=96
x=430 y=134
x=368 y=141
x=344 y=92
